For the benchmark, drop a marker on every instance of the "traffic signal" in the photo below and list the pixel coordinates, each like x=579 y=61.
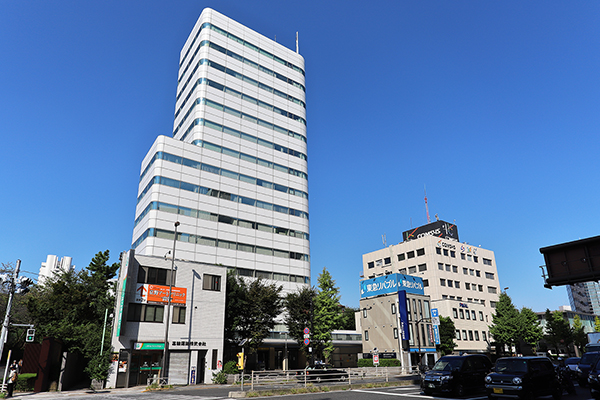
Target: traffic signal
x=23 y=284
x=30 y=335
x=240 y=363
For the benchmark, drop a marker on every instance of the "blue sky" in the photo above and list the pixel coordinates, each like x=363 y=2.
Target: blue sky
x=493 y=106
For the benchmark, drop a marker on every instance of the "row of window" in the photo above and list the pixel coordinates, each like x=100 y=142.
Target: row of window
x=468 y=286
x=473 y=335
x=153 y=313
x=161 y=155
x=226 y=244
x=241 y=41
x=466 y=271
x=244 y=116
x=236 y=57
x=465 y=314
x=269 y=275
x=463 y=256
x=208 y=216
x=161 y=180
x=423 y=340
x=239 y=114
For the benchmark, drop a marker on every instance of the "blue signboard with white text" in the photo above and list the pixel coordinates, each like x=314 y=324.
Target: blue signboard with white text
x=391 y=283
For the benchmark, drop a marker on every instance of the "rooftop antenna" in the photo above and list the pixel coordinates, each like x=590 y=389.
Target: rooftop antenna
x=297 y=47
x=384 y=240
x=427 y=207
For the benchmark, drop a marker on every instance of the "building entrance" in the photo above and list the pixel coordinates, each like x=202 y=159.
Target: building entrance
x=144 y=365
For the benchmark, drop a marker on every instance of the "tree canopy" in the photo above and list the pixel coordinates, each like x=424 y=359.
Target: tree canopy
x=72 y=306
x=447 y=335
x=558 y=330
x=505 y=326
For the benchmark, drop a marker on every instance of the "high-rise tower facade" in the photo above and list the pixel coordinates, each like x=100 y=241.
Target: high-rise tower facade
x=234 y=173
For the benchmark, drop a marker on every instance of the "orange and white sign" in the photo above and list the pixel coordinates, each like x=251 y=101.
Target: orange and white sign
x=150 y=293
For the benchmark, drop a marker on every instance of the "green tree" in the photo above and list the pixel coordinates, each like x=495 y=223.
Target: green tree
x=18 y=312
x=579 y=335
x=558 y=331
x=326 y=315
x=530 y=330
x=298 y=306
x=597 y=324
x=257 y=304
x=348 y=319
x=72 y=306
x=505 y=327
x=447 y=335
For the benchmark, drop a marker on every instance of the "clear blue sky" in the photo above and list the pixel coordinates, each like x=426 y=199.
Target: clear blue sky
x=493 y=106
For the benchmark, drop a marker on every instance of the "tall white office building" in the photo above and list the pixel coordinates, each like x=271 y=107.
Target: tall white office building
x=584 y=297
x=54 y=266
x=234 y=172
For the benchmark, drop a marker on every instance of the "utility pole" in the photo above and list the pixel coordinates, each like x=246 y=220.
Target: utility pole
x=4 y=333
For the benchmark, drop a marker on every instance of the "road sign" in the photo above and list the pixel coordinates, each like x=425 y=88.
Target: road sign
x=376 y=359
x=306 y=331
x=306 y=341
x=434 y=313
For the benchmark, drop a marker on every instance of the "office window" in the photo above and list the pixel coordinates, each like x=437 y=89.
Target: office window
x=211 y=282
x=411 y=336
x=471 y=335
x=402 y=270
x=445 y=251
x=371 y=265
x=457 y=284
x=422 y=267
x=467 y=286
x=455 y=313
x=493 y=304
x=366 y=336
x=462 y=256
x=441 y=266
x=378 y=263
x=145 y=313
x=408 y=313
x=466 y=271
x=471 y=272
x=461 y=313
x=426 y=308
x=157 y=276
x=458 y=334
x=480 y=288
x=387 y=261
x=491 y=289
x=475 y=259
x=401 y=257
x=393 y=308
x=469 y=257
x=420 y=252
x=477 y=335
x=438 y=250
x=459 y=298
x=452 y=253
x=449 y=283
x=178 y=315
x=454 y=269
x=425 y=282
x=364 y=313
x=464 y=334
x=442 y=282
x=410 y=254
x=395 y=333
x=412 y=270
x=481 y=315
x=448 y=267
x=473 y=315
x=489 y=275
x=468 y=314
x=487 y=261
x=452 y=297
x=444 y=296
x=483 y=336
x=478 y=273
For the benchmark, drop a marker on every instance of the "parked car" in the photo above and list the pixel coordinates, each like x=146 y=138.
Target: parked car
x=457 y=374
x=322 y=373
x=594 y=381
x=588 y=360
x=523 y=377
x=571 y=364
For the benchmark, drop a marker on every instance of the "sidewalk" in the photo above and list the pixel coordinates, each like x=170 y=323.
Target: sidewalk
x=76 y=393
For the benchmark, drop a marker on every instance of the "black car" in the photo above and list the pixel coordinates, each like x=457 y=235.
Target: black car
x=588 y=360
x=322 y=373
x=571 y=364
x=457 y=374
x=523 y=377
x=594 y=381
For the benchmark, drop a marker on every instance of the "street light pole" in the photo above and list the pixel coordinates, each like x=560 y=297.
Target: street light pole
x=419 y=339
x=166 y=349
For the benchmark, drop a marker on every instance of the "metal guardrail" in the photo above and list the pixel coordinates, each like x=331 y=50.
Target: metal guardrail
x=337 y=376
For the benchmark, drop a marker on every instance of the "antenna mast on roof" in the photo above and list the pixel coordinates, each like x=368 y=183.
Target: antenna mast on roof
x=427 y=207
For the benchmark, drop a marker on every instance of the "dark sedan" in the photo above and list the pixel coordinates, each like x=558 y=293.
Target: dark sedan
x=322 y=373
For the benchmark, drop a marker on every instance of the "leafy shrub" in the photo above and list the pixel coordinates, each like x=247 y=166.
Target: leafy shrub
x=231 y=368
x=25 y=382
x=386 y=362
x=219 y=378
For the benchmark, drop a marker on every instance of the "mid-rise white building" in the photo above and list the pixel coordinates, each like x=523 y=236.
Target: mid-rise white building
x=54 y=266
x=461 y=279
x=228 y=189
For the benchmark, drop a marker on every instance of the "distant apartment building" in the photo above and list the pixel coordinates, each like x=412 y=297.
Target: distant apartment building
x=461 y=279
x=54 y=266
x=584 y=297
